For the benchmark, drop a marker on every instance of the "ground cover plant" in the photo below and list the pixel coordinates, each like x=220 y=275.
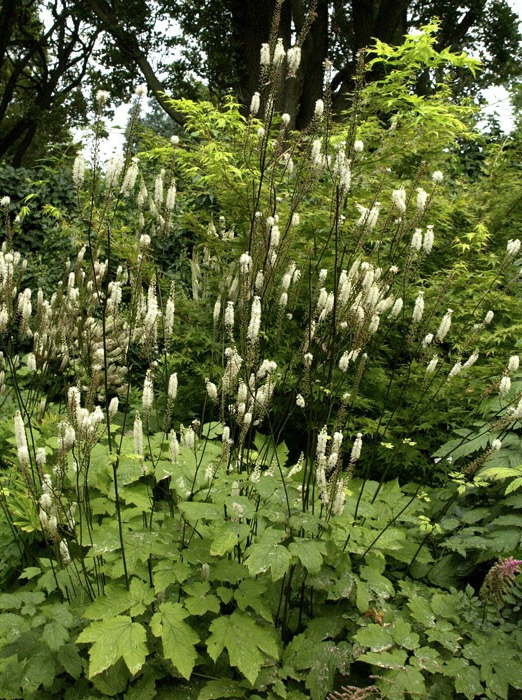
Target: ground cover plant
x=261 y=441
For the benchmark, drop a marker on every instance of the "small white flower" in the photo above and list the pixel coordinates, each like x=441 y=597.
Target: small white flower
x=19 y=430
x=513 y=246
x=102 y=96
x=265 y=55
x=211 y=390
x=422 y=198
x=396 y=308
x=229 y=314
x=275 y=237
x=418 y=308
x=319 y=109
x=344 y=361
x=279 y=53
x=31 y=362
x=174 y=140
x=255 y=320
x=437 y=177
x=399 y=199
x=78 y=171
x=299 y=400
x=373 y=215
x=444 y=327
x=471 y=360
x=216 y=315
x=173 y=446
x=496 y=445
x=427 y=340
x=416 y=240
x=255 y=103
x=432 y=365
x=189 y=438
x=170 y=199
x=504 y=386
x=293 y=60
x=148 y=393
x=5 y=202
x=513 y=364
x=245 y=262
x=356 y=449
x=64 y=553
x=429 y=237
x=113 y=407
x=41 y=457
x=173 y=386
x=141 y=90
x=457 y=367
x=137 y=433
x=358 y=146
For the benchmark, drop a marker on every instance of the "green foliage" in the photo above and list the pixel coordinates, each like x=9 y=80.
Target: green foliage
x=278 y=526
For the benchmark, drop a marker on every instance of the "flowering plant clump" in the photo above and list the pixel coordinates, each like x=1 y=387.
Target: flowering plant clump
x=222 y=424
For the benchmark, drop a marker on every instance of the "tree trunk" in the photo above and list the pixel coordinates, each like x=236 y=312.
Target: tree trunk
x=251 y=21
x=314 y=53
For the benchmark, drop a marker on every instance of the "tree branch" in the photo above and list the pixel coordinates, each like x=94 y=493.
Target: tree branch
x=128 y=44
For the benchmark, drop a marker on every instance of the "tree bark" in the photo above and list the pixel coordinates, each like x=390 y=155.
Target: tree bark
x=251 y=22
x=314 y=53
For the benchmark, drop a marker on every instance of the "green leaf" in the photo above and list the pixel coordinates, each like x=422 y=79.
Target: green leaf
x=143 y=689
x=404 y=636
x=200 y=599
x=55 y=634
x=466 y=677
x=261 y=557
x=309 y=552
x=513 y=486
x=177 y=637
x=427 y=659
x=194 y=510
x=375 y=637
x=407 y=679
x=379 y=584
x=385 y=659
x=329 y=658
x=245 y=640
x=227 y=537
x=447 y=606
x=494 y=473
x=27 y=600
x=112 y=639
x=252 y=594
x=113 y=681
x=223 y=688
x=421 y=611
x=117 y=599
x=30 y=572
x=71 y=660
